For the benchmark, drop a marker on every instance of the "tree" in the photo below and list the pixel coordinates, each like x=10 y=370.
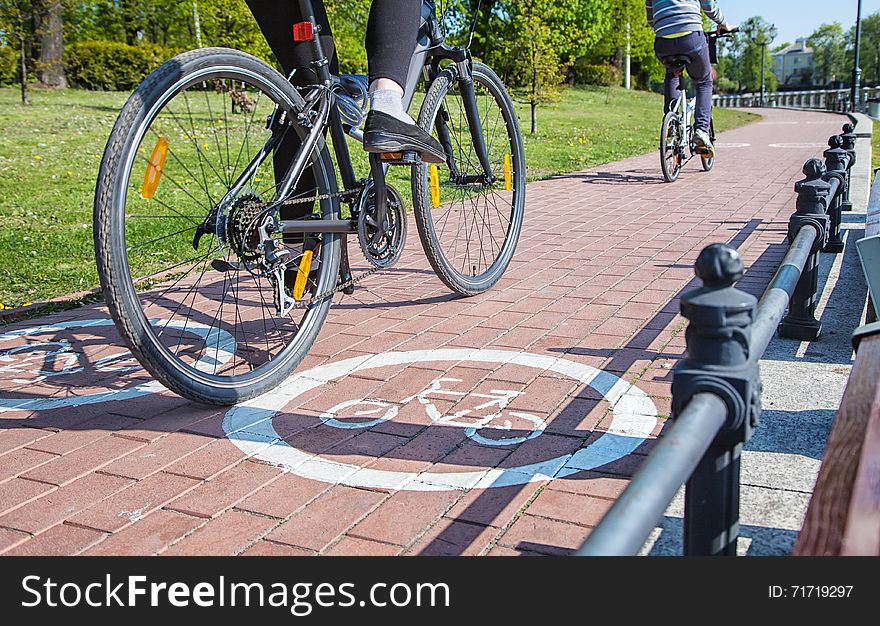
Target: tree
x=639 y=37
x=50 y=43
x=744 y=58
x=15 y=24
x=870 y=45
x=829 y=52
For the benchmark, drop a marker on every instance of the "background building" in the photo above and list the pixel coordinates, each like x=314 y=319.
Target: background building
x=793 y=65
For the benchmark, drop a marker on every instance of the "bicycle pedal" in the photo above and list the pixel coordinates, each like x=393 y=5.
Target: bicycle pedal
x=408 y=157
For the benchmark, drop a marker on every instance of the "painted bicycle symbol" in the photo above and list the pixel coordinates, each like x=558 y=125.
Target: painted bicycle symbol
x=484 y=423
x=33 y=363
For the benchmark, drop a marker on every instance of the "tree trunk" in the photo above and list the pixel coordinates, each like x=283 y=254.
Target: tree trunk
x=49 y=31
x=130 y=21
x=534 y=106
x=23 y=59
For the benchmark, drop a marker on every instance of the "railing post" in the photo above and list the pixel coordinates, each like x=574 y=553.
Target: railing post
x=718 y=361
x=836 y=159
x=849 y=144
x=812 y=204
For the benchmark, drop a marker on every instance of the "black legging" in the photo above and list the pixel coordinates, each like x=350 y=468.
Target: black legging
x=392 y=31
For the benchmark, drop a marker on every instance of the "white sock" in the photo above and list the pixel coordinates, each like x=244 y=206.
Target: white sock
x=391 y=103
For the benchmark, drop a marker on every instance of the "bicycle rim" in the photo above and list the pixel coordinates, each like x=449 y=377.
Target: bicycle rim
x=202 y=316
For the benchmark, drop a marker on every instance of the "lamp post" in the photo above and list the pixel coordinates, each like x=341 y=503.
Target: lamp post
x=857 y=71
x=762 y=38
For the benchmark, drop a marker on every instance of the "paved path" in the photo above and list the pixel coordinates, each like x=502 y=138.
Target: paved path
x=580 y=336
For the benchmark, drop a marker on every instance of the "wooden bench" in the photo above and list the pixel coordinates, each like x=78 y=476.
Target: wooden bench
x=843 y=517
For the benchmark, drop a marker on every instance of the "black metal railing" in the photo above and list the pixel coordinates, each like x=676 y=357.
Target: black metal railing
x=716 y=389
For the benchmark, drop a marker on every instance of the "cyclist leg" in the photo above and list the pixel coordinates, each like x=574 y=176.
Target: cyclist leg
x=392 y=33
x=700 y=71
x=664 y=49
x=276 y=19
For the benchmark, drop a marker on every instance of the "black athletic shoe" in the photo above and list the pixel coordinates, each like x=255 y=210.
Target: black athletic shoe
x=385 y=134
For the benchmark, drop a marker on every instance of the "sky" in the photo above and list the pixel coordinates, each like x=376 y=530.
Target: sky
x=797 y=18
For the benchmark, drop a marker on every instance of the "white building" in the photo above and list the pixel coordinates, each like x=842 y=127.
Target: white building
x=793 y=65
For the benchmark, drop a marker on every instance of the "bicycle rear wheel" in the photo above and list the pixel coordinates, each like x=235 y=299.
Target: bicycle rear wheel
x=469 y=230
x=709 y=162
x=202 y=314
x=671 y=141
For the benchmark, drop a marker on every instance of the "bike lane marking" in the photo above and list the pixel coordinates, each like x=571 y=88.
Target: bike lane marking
x=249 y=425
x=221 y=348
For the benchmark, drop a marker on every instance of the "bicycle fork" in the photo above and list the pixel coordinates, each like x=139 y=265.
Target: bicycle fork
x=475 y=125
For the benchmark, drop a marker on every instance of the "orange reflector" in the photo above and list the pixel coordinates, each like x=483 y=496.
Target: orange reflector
x=302 y=275
x=154 y=169
x=508 y=174
x=434 y=183
x=303 y=31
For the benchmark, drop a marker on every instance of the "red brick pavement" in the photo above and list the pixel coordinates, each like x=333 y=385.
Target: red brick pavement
x=604 y=255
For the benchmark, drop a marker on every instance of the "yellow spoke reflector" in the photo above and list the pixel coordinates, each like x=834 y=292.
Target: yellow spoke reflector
x=508 y=174
x=154 y=169
x=434 y=180
x=302 y=275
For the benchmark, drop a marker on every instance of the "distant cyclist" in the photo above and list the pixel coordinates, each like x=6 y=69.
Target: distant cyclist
x=678 y=25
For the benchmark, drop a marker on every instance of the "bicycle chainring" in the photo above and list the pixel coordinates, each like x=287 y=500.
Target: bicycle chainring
x=382 y=250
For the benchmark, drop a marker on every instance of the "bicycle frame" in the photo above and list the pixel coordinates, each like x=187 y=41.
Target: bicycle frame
x=431 y=49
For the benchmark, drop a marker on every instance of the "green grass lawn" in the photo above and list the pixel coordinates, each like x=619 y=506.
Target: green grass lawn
x=50 y=153
x=875 y=147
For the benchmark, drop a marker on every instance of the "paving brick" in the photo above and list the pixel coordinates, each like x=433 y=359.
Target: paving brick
x=208 y=460
x=133 y=503
x=496 y=507
x=60 y=540
x=147 y=536
x=267 y=548
x=93 y=456
x=156 y=455
x=356 y=546
x=18 y=491
x=545 y=536
x=569 y=507
x=10 y=538
x=13 y=438
x=328 y=517
x=225 y=490
x=404 y=516
x=453 y=538
x=67 y=441
x=22 y=460
x=228 y=534
x=283 y=497
x=60 y=504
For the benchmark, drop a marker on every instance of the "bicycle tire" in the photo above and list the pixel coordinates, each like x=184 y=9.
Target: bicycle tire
x=671 y=128
x=112 y=194
x=452 y=273
x=709 y=162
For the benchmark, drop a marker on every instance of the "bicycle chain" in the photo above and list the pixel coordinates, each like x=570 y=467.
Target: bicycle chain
x=351 y=282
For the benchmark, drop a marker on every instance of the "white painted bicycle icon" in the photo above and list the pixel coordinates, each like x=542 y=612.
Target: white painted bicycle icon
x=489 y=416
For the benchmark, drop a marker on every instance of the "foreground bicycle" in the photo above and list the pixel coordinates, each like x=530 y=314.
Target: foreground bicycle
x=218 y=274
x=677 y=145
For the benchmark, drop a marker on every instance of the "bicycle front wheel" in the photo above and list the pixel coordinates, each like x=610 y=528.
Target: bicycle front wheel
x=185 y=180
x=469 y=227
x=671 y=143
